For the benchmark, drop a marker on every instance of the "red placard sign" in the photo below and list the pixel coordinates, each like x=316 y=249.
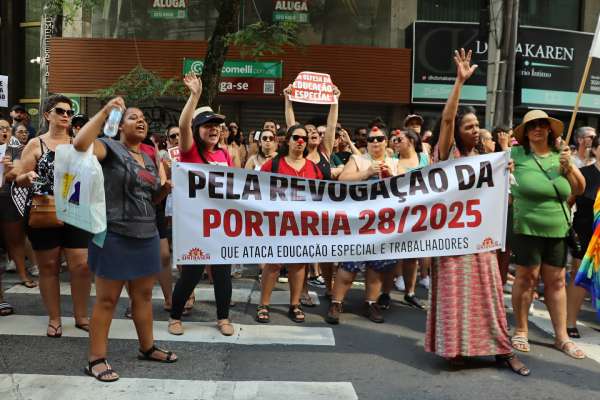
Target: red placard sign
x=174 y=153
x=314 y=88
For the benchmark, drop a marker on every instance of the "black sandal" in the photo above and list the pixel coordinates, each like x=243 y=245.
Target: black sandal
x=83 y=327
x=573 y=333
x=56 y=329
x=296 y=314
x=101 y=375
x=147 y=355
x=262 y=314
x=507 y=358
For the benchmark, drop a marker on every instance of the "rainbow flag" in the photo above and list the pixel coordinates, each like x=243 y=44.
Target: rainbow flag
x=588 y=275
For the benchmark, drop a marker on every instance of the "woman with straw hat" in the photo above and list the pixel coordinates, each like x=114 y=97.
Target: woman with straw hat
x=544 y=179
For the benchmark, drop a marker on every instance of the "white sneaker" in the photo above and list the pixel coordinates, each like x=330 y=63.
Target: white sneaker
x=425 y=282
x=399 y=283
x=11 y=266
x=33 y=271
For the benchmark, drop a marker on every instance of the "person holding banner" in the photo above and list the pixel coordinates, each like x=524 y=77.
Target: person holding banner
x=544 y=178
x=466 y=317
x=199 y=143
x=290 y=160
x=129 y=250
x=375 y=164
x=36 y=170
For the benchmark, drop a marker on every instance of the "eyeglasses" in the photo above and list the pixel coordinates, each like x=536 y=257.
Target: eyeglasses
x=378 y=138
x=321 y=133
x=589 y=137
x=4 y=128
x=174 y=135
x=295 y=138
x=268 y=138
x=62 y=111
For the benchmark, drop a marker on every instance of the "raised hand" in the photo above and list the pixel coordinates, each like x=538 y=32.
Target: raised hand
x=193 y=83
x=116 y=102
x=287 y=92
x=464 y=69
x=336 y=92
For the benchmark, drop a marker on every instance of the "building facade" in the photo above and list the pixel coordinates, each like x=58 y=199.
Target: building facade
x=364 y=44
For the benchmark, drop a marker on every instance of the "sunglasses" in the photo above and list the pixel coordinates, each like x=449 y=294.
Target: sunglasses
x=397 y=139
x=174 y=135
x=378 y=138
x=295 y=138
x=542 y=123
x=62 y=111
x=268 y=138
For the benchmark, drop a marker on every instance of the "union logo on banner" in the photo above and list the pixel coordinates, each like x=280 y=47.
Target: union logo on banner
x=195 y=254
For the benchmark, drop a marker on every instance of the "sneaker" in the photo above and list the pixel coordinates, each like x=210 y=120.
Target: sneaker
x=413 y=301
x=333 y=315
x=384 y=301
x=318 y=282
x=11 y=266
x=399 y=283
x=373 y=312
x=425 y=282
x=33 y=271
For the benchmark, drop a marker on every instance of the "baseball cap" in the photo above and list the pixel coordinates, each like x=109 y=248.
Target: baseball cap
x=413 y=116
x=204 y=115
x=18 y=107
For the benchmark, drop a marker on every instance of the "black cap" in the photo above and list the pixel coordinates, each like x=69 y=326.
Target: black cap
x=204 y=115
x=79 y=119
x=18 y=107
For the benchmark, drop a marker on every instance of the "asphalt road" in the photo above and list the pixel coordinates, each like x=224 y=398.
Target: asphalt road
x=356 y=359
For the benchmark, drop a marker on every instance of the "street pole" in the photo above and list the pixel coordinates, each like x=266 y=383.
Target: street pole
x=493 y=67
x=509 y=96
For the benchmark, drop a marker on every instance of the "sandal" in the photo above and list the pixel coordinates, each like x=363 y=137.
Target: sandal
x=262 y=314
x=573 y=333
x=512 y=361
x=225 y=327
x=572 y=351
x=307 y=301
x=296 y=314
x=175 y=327
x=147 y=355
x=520 y=343
x=28 y=284
x=56 y=329
x=84 y=327
x=101 y=376
x=6 y=309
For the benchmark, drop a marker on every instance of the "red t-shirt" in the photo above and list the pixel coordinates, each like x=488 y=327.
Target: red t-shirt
x=149 y=150
x=309 y=170
x=218 y=157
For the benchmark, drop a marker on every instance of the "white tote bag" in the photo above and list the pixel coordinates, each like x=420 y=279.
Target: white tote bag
x=79 y=189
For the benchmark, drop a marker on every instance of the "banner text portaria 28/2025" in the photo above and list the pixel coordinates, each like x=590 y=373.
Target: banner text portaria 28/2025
x=230 y=216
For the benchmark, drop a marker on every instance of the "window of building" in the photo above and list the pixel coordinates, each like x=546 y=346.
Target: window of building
x=449 y=10
x=562 y=14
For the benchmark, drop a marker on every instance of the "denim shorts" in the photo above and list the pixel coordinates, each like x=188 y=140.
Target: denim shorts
x=361 y=266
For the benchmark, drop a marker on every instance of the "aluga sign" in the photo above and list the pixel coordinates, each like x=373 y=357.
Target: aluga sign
x=168 y=9
x=296 y=11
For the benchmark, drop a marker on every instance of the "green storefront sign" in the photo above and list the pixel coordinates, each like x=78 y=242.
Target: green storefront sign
x=168 y=9
x=290 y=16
x=239 y=69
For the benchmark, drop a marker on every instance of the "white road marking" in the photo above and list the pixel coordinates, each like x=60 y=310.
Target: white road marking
x=205 y=332
x=22 y=386
x=202 y=294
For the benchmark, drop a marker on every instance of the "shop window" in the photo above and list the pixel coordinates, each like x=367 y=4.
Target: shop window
x=562 y=14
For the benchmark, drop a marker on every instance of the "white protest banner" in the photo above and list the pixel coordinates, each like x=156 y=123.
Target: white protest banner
x=314 y=88
x=2 y=153
x=231 y=216
x=3 y=91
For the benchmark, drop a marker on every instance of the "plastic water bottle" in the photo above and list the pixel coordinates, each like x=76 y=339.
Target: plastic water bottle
x=112 y=124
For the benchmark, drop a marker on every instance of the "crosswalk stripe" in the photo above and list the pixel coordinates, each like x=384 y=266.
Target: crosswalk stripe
x=35 y=386
x=202 y=294
x=205 y=332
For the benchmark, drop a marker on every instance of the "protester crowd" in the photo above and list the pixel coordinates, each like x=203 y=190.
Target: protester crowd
x=466 y=315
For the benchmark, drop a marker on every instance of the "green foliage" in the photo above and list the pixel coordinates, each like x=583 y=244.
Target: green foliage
x=68 y=8
x=142 y=87
x=261 y=38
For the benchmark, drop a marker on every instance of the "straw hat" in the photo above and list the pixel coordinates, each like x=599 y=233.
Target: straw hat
x=556 y=126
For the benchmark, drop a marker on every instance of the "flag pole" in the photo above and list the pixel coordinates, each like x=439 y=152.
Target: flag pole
x=586 y=72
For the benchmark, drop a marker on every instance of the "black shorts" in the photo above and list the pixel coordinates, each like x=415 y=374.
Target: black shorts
x=161 y=222
x=8 y=210
x=67 y=236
